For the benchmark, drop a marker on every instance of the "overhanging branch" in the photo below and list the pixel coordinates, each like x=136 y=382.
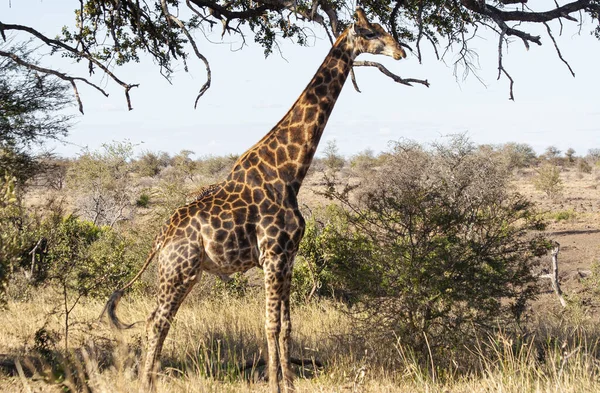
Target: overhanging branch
x=58 y=74
x=55 y=44
x=179 y=23
x=385 y=71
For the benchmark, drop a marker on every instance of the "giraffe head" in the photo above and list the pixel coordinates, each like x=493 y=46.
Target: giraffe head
x=369 y=37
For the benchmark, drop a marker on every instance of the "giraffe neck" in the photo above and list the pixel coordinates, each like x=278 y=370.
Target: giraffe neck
x=284 y=155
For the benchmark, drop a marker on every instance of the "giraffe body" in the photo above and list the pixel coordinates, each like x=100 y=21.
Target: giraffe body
x=252 y=218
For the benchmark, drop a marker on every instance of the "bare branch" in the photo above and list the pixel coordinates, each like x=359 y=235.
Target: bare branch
x=353 y=78
x=559 y=20
x=58 y=44
x=501 y=69
x=557 y=49
x=545 y=16
x=433 y=44
x=65 y=77
x=420 y=26
x=179 y=23
x=333 y=18
x=393 y=16
x=396 y=78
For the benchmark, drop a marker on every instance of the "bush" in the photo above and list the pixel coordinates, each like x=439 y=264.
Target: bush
x=150 y=163
x=9 y=249
x=312 y=274
x=217 y=167
x=143 y=201
x=332 y=160
x=583 y=166
x=83 y=260
x=103 y=180
x=364 y=162
x=236 y=285
x=552 y=154
x=565 y=215
x=548 y=181
x=17 y=233
x=435 y=247
x=518 y=155
x=594 y=155
x=570 y=155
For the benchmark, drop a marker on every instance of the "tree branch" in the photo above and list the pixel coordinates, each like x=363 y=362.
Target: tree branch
x=178 y=22
x=545 y=16
x=396 y=78
x=55 y=44
x=557 y=49
x=501 y=69
x=218 y=10
x=65 y=77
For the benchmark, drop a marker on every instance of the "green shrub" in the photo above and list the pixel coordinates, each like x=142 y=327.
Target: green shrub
x=9 y=248
x=583 y=166
x=548 y=181
x=236 y=285
x=518 y=155
x=436 y=248
x=312 y=274
x=565 y=215
x=83 y=260
x=18 y=234
x=86 y=259
x=151 y=164
x=143 y=201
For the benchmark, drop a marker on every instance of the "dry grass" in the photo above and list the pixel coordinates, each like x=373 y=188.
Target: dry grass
x=211 y=340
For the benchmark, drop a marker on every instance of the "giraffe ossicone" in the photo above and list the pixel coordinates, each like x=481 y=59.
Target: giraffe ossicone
x=252 y=217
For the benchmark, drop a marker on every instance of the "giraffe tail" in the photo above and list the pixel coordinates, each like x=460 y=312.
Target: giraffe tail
x=111 y=306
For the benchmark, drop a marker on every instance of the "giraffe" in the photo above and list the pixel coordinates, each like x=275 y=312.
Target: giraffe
x=252 y=217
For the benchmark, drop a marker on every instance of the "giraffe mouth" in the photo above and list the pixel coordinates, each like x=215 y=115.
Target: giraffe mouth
x=397 y=53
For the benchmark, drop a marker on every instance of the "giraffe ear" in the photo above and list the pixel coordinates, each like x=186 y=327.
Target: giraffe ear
x=361 y=17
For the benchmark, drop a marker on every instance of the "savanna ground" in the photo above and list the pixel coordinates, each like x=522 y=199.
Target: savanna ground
x=217 y=337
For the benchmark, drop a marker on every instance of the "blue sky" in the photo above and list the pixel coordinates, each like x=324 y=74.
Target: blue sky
x=249 y=94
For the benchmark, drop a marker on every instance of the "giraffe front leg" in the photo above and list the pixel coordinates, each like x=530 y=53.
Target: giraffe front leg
x=284 y=337
x=278 y=277
x=272 y=323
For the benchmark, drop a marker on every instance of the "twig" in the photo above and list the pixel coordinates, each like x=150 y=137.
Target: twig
x=206 y=84
x=557 y=49
x=501 y=69
x=353 y=78
x=420 y=26
x=385 y=71
x=559 y=20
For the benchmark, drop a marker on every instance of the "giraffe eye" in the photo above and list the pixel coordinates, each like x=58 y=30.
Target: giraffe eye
x=369 y=35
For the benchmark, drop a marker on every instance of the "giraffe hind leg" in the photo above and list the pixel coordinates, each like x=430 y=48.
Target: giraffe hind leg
x=176 y=278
